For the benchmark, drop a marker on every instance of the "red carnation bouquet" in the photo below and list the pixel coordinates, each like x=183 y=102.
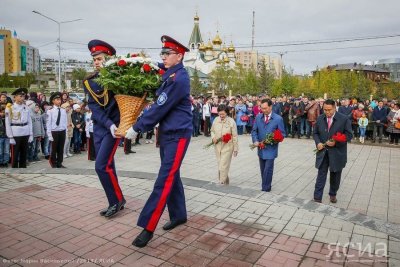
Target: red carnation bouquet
x=224 y=139
x=337 y=137
x=270 y=139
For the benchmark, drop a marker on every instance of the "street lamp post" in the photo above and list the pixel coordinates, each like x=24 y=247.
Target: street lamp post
x=59 y=42
x=281 y=54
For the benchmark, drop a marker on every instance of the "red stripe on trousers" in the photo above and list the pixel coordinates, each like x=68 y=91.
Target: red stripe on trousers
x=155 y=217
x=110 y=172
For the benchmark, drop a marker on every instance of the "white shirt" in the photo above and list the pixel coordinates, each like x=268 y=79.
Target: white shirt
x=269 y=117
x=52 y=119
x=16 y=116
x=327 y=119
x=206 y=111
x=89 y=123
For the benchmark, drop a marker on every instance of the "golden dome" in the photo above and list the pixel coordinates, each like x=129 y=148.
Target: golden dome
x=231 y=48
x=196 y=18
x=202 y=47
x=209 y=46
x=219 y=61
x=217 y=40
x=226 y=60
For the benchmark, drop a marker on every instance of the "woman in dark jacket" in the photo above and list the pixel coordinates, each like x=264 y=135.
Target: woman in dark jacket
x=78 y=121
x=296 y=112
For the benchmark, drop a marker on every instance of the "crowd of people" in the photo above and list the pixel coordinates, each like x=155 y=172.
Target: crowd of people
x=370 y=120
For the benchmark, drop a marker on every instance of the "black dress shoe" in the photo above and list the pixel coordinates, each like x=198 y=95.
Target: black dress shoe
x=103 y=212
x=111 y=211
x=172 y=224
x=142 y=239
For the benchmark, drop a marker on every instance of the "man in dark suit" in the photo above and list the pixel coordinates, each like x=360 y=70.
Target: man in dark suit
x=379 y=117
x=331 y=155
x=346 y=109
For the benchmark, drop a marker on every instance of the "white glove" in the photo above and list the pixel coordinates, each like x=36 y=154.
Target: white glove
x=12 y=141
x=113 y=128
x=30 y=140
x=87 y=135
x=51 y=138
x=131 y=134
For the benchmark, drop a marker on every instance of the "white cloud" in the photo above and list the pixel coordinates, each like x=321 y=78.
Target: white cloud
x=126 y=23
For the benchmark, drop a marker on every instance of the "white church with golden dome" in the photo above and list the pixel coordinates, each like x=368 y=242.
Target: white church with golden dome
x=205 y=57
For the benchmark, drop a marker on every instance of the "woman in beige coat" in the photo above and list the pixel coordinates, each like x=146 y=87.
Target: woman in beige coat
x=224 y=151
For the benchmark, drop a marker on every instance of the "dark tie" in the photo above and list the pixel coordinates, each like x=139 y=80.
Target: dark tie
x=58 y=117
x=266 y=119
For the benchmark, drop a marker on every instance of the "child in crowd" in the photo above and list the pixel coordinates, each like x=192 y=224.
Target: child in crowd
x=363 y=123
x=89 y=134
x=38 y=133
x=79 y=125
x=70 y=129
x=4 y=141
x=45 y=143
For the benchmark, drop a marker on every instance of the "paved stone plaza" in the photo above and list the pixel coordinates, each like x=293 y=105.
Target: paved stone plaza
x=50 y=216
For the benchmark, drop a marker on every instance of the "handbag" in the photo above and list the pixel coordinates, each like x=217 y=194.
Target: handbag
x=397 y=125
x=244 y=118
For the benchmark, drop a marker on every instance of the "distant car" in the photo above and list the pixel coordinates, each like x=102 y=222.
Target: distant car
x=77 y=96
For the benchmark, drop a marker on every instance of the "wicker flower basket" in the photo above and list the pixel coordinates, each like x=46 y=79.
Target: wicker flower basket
x=129 y=109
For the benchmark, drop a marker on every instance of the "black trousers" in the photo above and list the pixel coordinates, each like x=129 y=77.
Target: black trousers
x=207 y=126
x=149 y=134
x=19 y=151
x=394 y=138
x=334 y=179
x=90 y=146
x=57 y=148
x=127 y=145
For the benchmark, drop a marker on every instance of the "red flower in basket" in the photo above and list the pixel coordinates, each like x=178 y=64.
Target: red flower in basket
x=122 y=63
x=161 y=71
x=146 y=68
x=224 y=139
x=134 y=55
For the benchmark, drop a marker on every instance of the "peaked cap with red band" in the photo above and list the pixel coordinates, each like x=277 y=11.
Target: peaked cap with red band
x=169 y=43
x=98 y=46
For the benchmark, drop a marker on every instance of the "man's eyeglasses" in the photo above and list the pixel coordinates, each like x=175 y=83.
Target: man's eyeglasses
x=166 y=54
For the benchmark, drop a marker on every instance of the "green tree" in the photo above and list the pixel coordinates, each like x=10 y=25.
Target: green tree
x=195 y=85
x=79 y=74
x=265 y=80
x=286 y=85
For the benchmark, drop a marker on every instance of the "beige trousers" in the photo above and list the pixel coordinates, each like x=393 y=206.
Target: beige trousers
x=224 y=154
